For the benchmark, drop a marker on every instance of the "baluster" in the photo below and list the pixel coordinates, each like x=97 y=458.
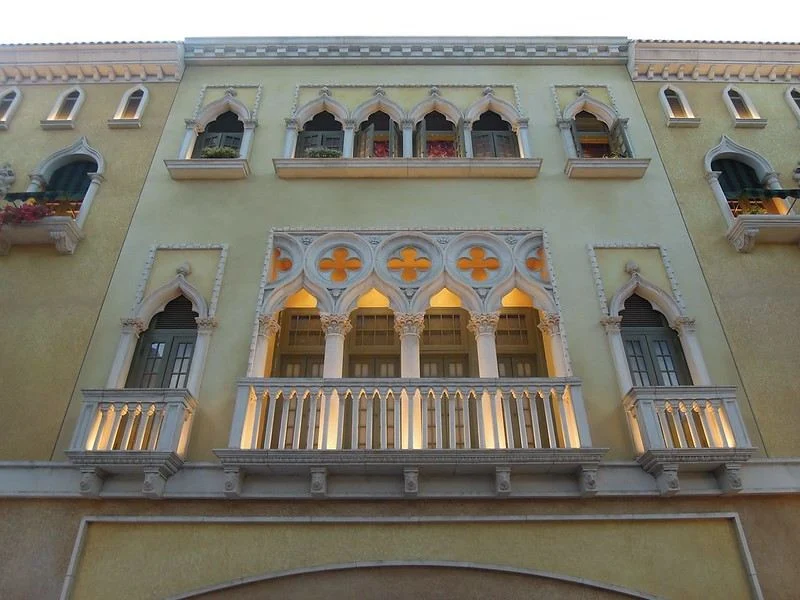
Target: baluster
x=467 y=420
x=508 y=419
x=120 y=410
x=312 y=440
x=145 y=427
x=678 y=415
x=696 y=439
x=370 y=401
x=451 y=407
x=126 y=435
x=355 y=403
x=159 y=414
x=298 y=420
x=283 y=432
x=106 y=419
x=548 y=416
x=258 y=425
x=523 y=431
x=437 y=407
x=272 y=402
x=398 y=416
x=537 y=430
x=664 y=419
x=714 y=417
x=422 y=402
x=384 y=423
x=570 y=440
x=340 y=404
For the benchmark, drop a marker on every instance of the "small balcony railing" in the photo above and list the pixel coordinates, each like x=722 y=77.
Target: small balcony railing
x=403 y=414
x=61 y=204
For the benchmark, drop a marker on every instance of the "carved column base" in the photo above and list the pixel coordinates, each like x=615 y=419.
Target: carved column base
x=233 y=482
x=502 y=481
x=587 y=480
x=410 y=481
x=319 y=482
x=729 y=479
x=91 y=481
x=154 y=483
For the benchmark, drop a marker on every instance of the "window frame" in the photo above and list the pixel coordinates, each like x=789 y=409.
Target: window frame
x=53 y=121
x=6 y=118
x=794 y=105
x=753 y=119
x=119 y=121
x=672 y=120
x=172 y=338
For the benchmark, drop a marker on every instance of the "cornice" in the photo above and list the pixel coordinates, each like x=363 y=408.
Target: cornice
x=98 y=63
x=651 y=60
x=407 y=50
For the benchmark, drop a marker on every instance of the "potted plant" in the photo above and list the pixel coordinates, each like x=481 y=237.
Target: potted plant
x=749 y=207
x=17 y=212
x=219 y=152
x=323 y=153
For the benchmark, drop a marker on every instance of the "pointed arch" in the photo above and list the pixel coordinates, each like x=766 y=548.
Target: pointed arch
x=489 y=102
x=586 y=103
x=10 y=99
x=727 y=148
x=324 y=103
x=438 y=104
x=59 y=158
x=541 y=296
x=158 y=299
x=375 y=104
x=792 y=96
x=126 y=98
x=349 y=299
x=469 y=298
x=275 y=299
x=64 y=112
x=669 y=111
x=661 y=300
x=747 y=112
x=214 y=109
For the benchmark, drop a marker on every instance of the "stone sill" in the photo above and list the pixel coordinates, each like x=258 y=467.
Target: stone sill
x=208 y=168
x=124 y=123
x=750 y=123
x=684 y=122
x=57 y=124
x=764 y=229
x=412 y=168
x=61 y=232
x=606 y=168
x=3 y=126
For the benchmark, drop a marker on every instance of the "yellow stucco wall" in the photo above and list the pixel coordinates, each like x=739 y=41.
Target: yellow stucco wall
x=573 y=212
x=753 y=293
x=50 y=302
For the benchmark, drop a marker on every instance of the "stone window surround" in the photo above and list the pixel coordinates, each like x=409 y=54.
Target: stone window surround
x=198 y=123
x=118 y=121
x=754 y=120
x=51 y=122
x=792 y=104
x=11 y=109
x=601 y=111
x=690 y=120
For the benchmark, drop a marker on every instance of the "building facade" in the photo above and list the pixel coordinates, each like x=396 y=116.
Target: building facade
x=418 y=317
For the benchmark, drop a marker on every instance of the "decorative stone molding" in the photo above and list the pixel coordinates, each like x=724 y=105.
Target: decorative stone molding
x=550 y=324
x=407 y=168
x=483 y=323
x=746 y=230
x=502 y=481
x=319 y=481
x=335 y=324
x=7 y=179
x=133 y=325
x=606 y=168
x=206 y=324
x=268 y=325
x=233 y=482
x=61 y=232
x=409 y=323
x=611 y=324
x=410 y=481
x=587 y=480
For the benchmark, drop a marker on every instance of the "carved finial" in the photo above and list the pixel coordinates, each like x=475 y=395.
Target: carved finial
x=379 y=91
x=434 y=91
x=184 y=269
x=631 y=267
x=325 y=91
x=488 y=91
x=229 y=91
x=582 y=91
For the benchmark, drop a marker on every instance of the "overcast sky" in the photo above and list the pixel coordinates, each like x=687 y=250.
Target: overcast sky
x=155 y=20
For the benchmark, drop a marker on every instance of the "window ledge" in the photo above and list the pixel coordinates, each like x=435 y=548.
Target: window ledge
x=124 y=123
x=57 y=124
x=606 y=168
x=62 y=232
x=412 y=168
x=764 y=229
x=750 y=123
x=208 y=168
x=4 y=126
x=684 y=122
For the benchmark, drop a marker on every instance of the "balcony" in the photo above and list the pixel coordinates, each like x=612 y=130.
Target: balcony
x=208 y=168
x=140 y=431
x=764 y=216
x=59 y=229
x=698 y=428
x=606 y=168
x=407 y=168
x=408 y=426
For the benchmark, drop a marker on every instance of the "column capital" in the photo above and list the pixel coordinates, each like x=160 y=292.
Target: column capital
x=38 y=180
x=268 y=325
x=409 y=323
x=407 y=123
x=292 y=124
x=132 y=325
x=483 y=323
x=350 y=124
x=205 y=323
x=335 y=324
x=712 y=176
x=550 y=323
x=684 y=325
x=611 y=324
x=564 y=123
x=96 y=178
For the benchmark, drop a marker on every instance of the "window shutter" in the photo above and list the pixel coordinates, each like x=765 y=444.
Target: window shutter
x=231 y=140
x=576 y=138
x=505 y=144
x=422 y=139
x=482 y=145
x=395 y=142
x=333 y=140
x=616 y=139
x=369 y=140
x=459 y=141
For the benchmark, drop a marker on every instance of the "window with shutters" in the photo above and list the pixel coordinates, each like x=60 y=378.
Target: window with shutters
x=373 y=346
x=164 y=352
x=742 y=188
x=447 y=348
x=520 y=351
x=593 y=138
x=226 y=131
x=652 y=348
x=323 y=131
x=379 y=137
x=300 y=350
x=437 y=137
x=9 y=101
x=492 y=137
x=741 y=108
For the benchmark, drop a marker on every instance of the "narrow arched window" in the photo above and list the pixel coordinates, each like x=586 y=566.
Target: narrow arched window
x=795 y=97
x=300 y=349
x=520 y=351
x=437 y=137
x=164 y=352
x=67 y=187
x=5 y=104
x=323 y=132
x=739 y=105
x=222 y=138
x=742 y=188
x=64 y=111
x=591 y=136
x=379 y=136
x=652 y=348
x=675 y=104
x=132 y=105
x=492 y=137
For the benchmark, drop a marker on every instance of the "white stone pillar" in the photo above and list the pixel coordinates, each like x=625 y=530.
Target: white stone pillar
x=468 y=153
x=189 y=137
x=550 y=326
x=685 y=327
x=336 y=327
x=484 y=325
x=565 y=127
x=290 y=141
x=408 y=138
x=205 y=327
x=268 y=328
x=247 y=138
x=131 y=330
x=409 y=327
x=613 y=325
x=88 y=198
x=523 y=140
x=349 y=138
x=771 y=182
x=713 y=180
x=37 y=184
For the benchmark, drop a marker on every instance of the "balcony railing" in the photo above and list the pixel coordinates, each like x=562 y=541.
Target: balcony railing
x=132 y=430
x=61 y=204
x=60 y=229
x=393 y=414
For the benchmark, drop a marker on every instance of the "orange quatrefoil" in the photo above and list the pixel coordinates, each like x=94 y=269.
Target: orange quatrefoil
x=478 y=263
x=537 y=264
x=409 y=263
x=279 y=265
x=339 y=264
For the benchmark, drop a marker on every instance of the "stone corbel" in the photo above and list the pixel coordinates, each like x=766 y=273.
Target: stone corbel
x=729 y=478
x=319 y=482
x=587 y=480
x=233 y=482
x=502 y=481
x=410 y=481
x=91 y=481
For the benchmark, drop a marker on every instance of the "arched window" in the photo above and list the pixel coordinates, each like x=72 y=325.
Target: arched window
x=373 y=344
x=379 y=136
x=323 y=131
x=300 y=349
x=68 y=185
x=131 y=110
x=65 y=110
x=652 y=348
x=164 y=352
x=593 y=139
x=793 y=100
x=492 y=137
x=741 y=108
x=520 y=350
x=739 y=105
x=742 y=189
x=8 y=104
x=437 y=137
x=222 y=138
x=67 y=106
x=676 y=107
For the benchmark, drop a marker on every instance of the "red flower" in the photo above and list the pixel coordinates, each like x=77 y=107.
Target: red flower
x=25 y=213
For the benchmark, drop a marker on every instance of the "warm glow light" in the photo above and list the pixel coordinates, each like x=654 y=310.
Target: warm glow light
x=445 y=299
x=373 y=299
x=517 y=299
x=302 y=299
